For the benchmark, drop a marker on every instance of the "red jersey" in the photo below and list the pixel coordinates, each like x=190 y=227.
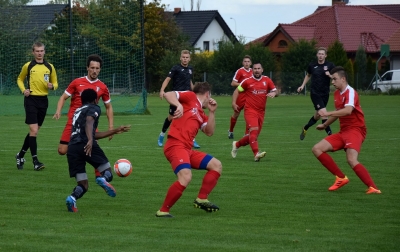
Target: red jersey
x=256 y=91
x=186 y=127
x=76 y=87
x=349 y=97
x=242 y=74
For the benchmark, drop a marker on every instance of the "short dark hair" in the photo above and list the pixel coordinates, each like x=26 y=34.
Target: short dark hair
x=340 y=71
x=37 y=44
x=88 y=96
x=247 y=57
x=322 y=49
x=94 y=57
x=201 y=87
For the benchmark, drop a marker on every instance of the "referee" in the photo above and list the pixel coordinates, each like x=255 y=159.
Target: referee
x=320 y=83
x=40 y=78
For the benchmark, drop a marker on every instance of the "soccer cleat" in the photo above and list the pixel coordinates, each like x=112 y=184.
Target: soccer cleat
x=372 y=190
x=303 y=134
x=164 y=214
x=205 y=205
x=339 y=182
x=37 y=166
x=71 y=204
x=234 y=149
x=160 y=140
x=230 y=135
x=196 y=145
x=259 y=155
x=106 y=186
x=20 y=162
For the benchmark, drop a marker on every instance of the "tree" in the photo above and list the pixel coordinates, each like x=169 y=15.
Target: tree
x=295 y=62
x=336 y=54
x=260 y=53
x=370 y=70
x=350 y=72
x=360 y=68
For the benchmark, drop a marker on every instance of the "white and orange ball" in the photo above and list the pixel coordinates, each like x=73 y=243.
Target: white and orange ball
x=123 y=167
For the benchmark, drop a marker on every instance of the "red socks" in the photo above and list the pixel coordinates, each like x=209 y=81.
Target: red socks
x=174 y=193
x=363 y=174
x=233 y=123
x=209 y=182
x=253 y=141
x=329 y=164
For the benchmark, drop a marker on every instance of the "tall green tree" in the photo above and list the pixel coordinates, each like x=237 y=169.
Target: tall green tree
x=350 y=72
x=263 y=55
x=336 y=54
x=295 y=62
x=360 y=68
x=370 y=71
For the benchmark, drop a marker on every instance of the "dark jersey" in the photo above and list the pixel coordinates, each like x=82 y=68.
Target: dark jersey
x=320 y=82
x=181 y=77
x=78 y=134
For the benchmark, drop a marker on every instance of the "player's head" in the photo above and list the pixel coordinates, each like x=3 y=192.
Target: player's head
x=257 y=70
x=93 y=66
x=88 y=96
x=95 y=58
x=246 y=61
x=203 y=89
x=321 y=54
x=38 y=50
x=339 y=77
x=185 y=57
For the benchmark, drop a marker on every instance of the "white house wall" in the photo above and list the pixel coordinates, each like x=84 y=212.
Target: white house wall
x=213 y=33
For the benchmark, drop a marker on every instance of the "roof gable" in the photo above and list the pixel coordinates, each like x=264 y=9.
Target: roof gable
x=195 y=23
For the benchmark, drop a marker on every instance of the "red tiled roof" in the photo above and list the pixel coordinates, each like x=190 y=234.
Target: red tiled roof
x=259 y=40
x=391 y=10
x=394 y=41
x=351 y=25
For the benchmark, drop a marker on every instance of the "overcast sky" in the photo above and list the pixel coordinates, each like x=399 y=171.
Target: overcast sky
x=255 y=18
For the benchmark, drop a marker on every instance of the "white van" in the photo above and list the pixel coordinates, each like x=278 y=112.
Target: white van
x=390 y=79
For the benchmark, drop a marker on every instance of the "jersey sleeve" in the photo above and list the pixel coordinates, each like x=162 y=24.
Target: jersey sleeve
x=71 y=88
x=94 y=111
x=185 y=96
x=172 y=72
x=271 y=85
x=243 y=85
x=350 y=99
x=53 y=77
x=21 y=77
x=106 y=95
x=310 y=69
x=235 y=77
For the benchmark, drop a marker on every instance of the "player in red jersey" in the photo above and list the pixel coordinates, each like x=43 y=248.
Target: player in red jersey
x=241 y=74
x=350 y=137
x=74 y=90
x=257 y=88
x=188 y=118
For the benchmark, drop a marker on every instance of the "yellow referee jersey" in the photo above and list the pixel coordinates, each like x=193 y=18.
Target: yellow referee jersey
x=39 y=76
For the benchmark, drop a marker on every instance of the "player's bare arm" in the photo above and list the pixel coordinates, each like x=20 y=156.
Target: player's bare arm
x=234 y=83
x=306 y=79
x=338 y=113
x=60 y=105
x=119 y=130
x=163 y=86
x=234 y=98
x=210 y=126
x=173 y=100
x=328 y=122
x=272 y=94
x=110 y=117
x=89 y=129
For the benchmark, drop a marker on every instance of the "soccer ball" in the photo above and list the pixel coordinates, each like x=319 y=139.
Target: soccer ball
x=123 y=167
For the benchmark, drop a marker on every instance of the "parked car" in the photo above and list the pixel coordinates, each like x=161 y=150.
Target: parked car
x=390 y=79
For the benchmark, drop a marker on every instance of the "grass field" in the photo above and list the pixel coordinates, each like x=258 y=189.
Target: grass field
x=279 y=204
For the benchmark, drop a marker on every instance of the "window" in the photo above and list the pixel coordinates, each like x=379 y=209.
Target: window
x=282 y=43
x=206 y=46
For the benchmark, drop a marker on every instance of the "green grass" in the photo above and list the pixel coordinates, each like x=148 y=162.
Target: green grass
x=279 y=204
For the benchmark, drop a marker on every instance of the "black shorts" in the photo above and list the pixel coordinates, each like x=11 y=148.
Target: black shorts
x=77 y=158
x=35 y=109
x=172 y=109
x=319 y=101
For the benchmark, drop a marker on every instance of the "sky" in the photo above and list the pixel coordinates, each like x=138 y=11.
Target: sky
x=255 y=18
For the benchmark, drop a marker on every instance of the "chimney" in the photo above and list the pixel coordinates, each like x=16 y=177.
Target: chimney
x=177 y=10
x=340 y=2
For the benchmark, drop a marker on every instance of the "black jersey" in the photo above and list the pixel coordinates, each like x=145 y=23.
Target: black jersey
x=181 y=77
x=78 y=134
x=320 y=82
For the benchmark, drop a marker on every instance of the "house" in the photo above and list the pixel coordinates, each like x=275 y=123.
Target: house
x=37 y=17
x=204 y=28
x=367 y=25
